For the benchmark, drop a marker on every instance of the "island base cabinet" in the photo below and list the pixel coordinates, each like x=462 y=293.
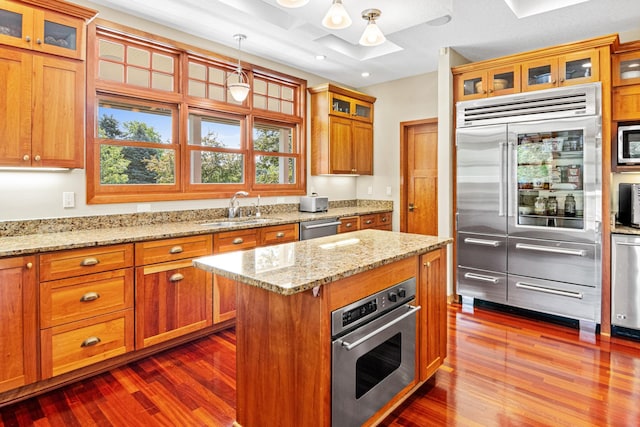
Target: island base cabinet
x=433 y=316
x=18 y=327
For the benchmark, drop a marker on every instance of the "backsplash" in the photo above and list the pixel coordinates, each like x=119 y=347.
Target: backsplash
x=56 y=225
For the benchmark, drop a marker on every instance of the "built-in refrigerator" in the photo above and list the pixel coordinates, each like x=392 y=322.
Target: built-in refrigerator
x=528 y=197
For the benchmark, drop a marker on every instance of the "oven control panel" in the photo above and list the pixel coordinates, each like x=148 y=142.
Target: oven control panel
x=346 y=318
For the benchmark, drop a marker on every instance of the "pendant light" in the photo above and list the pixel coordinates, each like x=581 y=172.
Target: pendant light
x=337 y=17
x=237 y=82
x=372 y=35
x=292 y=3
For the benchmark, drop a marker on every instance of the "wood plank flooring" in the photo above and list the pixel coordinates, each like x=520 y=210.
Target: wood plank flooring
x=501 y=370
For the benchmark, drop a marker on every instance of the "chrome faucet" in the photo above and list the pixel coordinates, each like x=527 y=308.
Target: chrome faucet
x=234 y=204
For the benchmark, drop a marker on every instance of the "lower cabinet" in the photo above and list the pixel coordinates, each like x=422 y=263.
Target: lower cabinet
x=349 y=223
x=379 y=221
x=433 y=316
x=173 y=298
x=18 y=327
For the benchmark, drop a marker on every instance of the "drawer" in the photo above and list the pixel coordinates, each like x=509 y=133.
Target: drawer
x=368 y=221
x=155 y=251
x=384 y=221
x=75 y=345
x=69 y=300
x=77 y=262
x=278 y=234
x=235 y=240
x=350 y=223
x=481 y=251
x=557 y=261
x=480 y=284
x=557 y=298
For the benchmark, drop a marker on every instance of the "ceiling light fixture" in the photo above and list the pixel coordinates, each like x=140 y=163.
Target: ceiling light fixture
x=237 y=82
x=337 y=17
x=372 y=35
x=292 y=3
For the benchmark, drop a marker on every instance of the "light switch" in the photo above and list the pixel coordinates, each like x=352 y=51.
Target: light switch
x=68 y=199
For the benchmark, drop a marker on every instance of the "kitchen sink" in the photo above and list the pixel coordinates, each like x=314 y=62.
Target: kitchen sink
x=238 y=222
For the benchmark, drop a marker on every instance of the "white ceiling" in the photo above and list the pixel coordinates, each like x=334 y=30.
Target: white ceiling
x=479 y=29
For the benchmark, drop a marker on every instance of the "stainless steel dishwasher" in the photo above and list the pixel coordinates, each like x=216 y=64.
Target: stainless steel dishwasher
x=625 y=285
x=319 y=228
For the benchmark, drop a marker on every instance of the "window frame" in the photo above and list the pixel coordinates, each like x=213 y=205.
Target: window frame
x=183 y=104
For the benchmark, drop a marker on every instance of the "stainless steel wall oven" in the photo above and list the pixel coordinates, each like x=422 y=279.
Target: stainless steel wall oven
x=373 y=353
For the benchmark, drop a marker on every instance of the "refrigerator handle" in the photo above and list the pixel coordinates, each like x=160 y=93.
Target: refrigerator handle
x=501 y=180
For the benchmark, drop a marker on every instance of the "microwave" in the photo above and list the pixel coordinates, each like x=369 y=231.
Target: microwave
x=629 y=204
x=629 y=144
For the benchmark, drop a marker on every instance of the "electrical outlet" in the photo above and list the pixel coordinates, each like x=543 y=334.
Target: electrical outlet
x=388 y=190
x=369 y=190
x=68 y=199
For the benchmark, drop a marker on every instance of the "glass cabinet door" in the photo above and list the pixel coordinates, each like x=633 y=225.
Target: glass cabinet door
x=351 y=108
x=59 y=34
x=16 y=22
x=579 y=67
x=549 y=171
x=542 y=74
x=626 y=68
x=503 y=81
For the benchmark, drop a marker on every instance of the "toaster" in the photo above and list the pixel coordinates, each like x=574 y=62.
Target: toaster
x=314 y=203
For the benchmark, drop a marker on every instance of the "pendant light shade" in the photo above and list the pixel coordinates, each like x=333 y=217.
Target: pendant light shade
x=238 y=82
x=337 y=17
x=372 y=35
x=292 y=3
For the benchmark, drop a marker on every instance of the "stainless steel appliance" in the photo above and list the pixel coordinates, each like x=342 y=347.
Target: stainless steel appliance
x=373 y=353
x=314 y=203
x=625 y=285
x=629 y=144
x=629 y=204
x=528 y=217
x=319 y=228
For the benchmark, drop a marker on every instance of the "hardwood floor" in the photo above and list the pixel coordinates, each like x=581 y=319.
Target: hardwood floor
x=501 y=370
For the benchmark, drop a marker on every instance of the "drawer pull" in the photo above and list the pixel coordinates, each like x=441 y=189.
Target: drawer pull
x=176 y=277
x=238 y=240
x=90 y=342
x=369 y=221
x=88 y=262
x=482 y=242
x=349 y=225
x=176 y=250
x=384 y=219
x=481 y=278
x=89 y=296
x=29 y=265
x=280 y=235
x=529 y=287
x=551 y=249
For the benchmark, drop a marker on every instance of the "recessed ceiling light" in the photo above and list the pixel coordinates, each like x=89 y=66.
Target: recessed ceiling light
x=365 y=74
x=321 y=57
x=524 y=8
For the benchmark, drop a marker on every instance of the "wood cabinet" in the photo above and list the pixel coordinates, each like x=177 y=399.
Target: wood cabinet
x=349 y=223
x=626 y=83
x=224 y=290
x=86 y=307
x=379 y=221
x=563 y=70
x=341 y=131
x=173 y=298
x=18 y=325
x=42 y=103
x=493 y=82
x=433 y=316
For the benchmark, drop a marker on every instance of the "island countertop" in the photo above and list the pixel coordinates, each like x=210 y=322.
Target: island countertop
x=291 y=268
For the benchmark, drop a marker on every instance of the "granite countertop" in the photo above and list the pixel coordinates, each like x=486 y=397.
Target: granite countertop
x=290 y=268
x=89 y=235
x=624 y=229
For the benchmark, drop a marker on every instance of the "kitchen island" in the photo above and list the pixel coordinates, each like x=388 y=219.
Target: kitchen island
x=283 y=327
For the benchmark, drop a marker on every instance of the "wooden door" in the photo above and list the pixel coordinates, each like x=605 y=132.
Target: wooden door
x=15 y=108
x=433 y=316
x=363 y=148
x=419 y=195
x=341 y=146
x=18 y=328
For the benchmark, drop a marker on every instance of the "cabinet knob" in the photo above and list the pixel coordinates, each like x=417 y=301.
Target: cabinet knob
x=26 y=158
x=384 y=219
x=37 y=158
x=28 y=39
x=280 y=235
x=427 y=264
x=91 y=341
x=349 y=225
x=29 y=265
x=38 y=41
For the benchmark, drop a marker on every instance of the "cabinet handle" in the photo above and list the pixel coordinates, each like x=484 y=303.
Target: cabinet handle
x=238 y=240
x=427 y=264
x=369 y=221
x=37 y=158
x=384 y=219
x=38 y=41
x=176 y=250
x=89 y=296
x=280 y=235
x=29 y=265
x=176 y=277
x=349 y=225
x=28 y=39
x=87 y=262
x=90 y=342
x=26 y=158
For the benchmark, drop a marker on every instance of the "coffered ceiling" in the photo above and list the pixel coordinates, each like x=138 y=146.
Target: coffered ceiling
x=478 y=29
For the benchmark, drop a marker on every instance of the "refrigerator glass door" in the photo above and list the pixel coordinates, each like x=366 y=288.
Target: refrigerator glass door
x=555 y=179
x=482 y=179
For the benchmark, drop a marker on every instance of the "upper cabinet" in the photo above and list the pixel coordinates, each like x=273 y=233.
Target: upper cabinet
x=341 y=131
x=626 y=66
x=43 y=101
x=564 y=65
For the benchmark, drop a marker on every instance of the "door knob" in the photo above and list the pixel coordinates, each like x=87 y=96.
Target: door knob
x=411 y=207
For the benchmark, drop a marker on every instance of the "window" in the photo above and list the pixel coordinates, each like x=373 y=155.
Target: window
x=163 y=132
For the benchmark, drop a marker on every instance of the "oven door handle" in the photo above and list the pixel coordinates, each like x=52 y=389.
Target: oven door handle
x=351 y=346
x=324 y=224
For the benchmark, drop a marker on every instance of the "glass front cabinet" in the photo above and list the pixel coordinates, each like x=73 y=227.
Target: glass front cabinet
x=493 y=82
x=626 y=68
x=41 y=30
x=570 y=69
x=351 y=108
